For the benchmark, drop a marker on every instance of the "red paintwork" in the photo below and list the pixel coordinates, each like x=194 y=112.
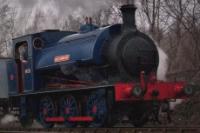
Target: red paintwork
x=55 y=119
x=71 y=119
x=94 y=109
x=167 y=90
x=81 y=119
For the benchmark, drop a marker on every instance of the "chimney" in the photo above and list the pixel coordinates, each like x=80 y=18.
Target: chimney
x=128 y=15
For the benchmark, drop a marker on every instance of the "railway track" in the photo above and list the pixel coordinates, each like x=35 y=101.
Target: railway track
x=104 y=130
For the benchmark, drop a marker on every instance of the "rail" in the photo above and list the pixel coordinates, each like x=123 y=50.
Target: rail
x=105 y=130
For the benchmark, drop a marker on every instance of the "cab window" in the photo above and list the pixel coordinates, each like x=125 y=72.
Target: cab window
x=21 y=51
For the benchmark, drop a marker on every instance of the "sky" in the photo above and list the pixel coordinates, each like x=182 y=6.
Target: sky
x=58 y=10
x=26 y=10
x=61 y=6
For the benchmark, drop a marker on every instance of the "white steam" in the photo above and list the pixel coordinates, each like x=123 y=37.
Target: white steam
x=162 y=72
x=8 y=118
x=174 y=104
x=163 y=65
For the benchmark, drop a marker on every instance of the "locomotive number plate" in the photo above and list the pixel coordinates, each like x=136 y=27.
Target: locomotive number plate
x=61 y=58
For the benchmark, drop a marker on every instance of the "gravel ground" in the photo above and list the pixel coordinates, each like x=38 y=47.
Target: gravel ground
x=188 y=112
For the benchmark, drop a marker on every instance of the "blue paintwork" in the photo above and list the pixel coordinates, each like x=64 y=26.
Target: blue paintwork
x=28 y=76
x=68 y=102
x=3 y=79
x=87 y=28
x=28 y=81
x=7 y=78
x=11 y=70
x=82 y=47
x=23 y=107
x=99 y=101
x=50 y=37
x=48 y=105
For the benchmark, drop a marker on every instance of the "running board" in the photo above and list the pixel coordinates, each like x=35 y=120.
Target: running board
x=70 y=119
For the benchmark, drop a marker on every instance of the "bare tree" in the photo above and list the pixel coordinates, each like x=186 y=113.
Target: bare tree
x=186 y=15
x=154 y=16
x=72 y=24
x=7 y=20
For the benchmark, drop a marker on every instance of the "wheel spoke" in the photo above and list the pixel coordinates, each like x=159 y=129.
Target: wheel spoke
x=50 y=110
x=96 y=107
x=69 y=103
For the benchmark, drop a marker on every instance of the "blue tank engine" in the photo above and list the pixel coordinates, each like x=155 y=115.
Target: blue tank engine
x=92 y=77
x=109 y=53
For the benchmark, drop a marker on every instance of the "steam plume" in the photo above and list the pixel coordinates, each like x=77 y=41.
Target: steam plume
x=8 y=118
x=163 y=65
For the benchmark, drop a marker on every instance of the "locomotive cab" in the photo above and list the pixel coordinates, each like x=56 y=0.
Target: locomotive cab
x=23 y=61
x=26 y=49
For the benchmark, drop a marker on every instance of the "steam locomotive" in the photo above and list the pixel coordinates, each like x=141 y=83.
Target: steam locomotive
x=95 y=78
